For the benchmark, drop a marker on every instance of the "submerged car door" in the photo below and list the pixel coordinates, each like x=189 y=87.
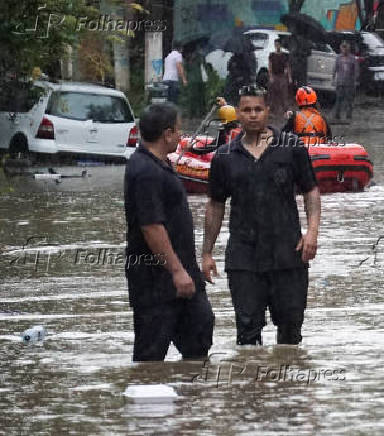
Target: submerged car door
x=320 y=67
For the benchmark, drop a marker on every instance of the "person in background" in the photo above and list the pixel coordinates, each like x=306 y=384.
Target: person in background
x=166 y=288
x=242 y=67
x=173 y=71
x=345 y=76
x=279 y=80
x=195 y=90
x=307 y=122
x=299 y=51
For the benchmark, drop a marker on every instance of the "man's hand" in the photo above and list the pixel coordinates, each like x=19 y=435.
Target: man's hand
x=185 y=82
x=209 y=265
x=308 y=243
x=270 y=79
x=184 y=284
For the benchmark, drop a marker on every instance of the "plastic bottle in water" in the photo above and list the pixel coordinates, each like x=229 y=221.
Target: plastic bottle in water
x=34 y=334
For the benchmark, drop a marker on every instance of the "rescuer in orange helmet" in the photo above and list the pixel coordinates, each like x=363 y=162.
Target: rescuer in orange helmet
x=307 y=122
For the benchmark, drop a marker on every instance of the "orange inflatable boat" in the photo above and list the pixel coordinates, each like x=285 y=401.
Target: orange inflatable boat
x=338 y=167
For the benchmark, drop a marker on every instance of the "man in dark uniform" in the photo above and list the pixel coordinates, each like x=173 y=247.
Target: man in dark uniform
x=266 y=256
x=166 y=287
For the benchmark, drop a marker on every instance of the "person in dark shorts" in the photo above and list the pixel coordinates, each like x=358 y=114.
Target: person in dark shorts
x=266 y=256
x=279 y=80
x=166 y=287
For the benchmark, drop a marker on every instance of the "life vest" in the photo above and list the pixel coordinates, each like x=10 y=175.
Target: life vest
x=310 y=126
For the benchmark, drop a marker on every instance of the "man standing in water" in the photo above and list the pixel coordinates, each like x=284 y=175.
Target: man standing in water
x=345 y=76
x=266 y=256
x=166 y=287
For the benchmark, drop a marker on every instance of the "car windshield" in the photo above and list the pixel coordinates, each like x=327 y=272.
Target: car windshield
x=259 y=40
x=373 y=41
x=85 y=106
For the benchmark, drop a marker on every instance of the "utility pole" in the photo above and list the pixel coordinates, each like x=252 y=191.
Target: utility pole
x=153 y=63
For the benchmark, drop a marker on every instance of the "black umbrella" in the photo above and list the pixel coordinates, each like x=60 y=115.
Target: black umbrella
x=306 y=26
x=192 y=41
x=234 y=42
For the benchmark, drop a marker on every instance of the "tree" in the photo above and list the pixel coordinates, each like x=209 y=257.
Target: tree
x=37 y=32
x=94 y=60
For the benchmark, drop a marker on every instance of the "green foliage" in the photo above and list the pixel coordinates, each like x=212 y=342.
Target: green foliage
x=214 y=87
x=136 y=95
x=36 y=32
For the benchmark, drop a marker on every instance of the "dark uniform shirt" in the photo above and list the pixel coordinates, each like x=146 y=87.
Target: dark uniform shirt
x=264 y=222
x=155 y=195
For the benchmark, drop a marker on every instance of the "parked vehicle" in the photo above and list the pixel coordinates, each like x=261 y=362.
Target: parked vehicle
x=320 y=63
x=68 y=118
x=368 y=48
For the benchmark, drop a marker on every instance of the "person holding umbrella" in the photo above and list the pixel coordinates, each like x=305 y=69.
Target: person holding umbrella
x=299 y=52
x=242 y=66
x=304 y=29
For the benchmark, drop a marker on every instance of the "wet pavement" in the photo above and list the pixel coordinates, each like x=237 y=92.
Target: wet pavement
x=61 y=263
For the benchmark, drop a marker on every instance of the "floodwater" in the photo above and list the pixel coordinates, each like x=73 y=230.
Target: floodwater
x=61 y=264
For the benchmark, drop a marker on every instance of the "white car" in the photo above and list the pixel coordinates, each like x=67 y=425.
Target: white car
x=320 y=63
x=70 y=118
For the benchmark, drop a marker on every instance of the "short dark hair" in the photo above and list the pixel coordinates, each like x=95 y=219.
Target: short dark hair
x=252 y=91
x=155 y=119
x=278 y=40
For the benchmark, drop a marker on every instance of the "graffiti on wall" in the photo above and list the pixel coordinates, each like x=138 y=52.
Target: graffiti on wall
x=203 y=17
x=344 y=18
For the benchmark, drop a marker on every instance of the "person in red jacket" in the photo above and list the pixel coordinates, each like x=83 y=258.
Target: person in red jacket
x=307 y=122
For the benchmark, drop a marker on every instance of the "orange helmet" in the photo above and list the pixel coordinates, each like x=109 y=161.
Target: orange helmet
x=306 y=96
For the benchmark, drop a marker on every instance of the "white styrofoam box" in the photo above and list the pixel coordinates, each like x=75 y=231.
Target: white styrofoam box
x=156 y=393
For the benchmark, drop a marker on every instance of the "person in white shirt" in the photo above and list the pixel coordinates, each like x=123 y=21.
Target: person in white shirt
x=173 y=70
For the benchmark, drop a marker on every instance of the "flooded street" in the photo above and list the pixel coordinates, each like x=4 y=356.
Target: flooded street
x=61 y=262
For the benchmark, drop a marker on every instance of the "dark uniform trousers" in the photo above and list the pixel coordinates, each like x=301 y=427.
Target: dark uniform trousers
x=284 y=292
x=187 y=323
